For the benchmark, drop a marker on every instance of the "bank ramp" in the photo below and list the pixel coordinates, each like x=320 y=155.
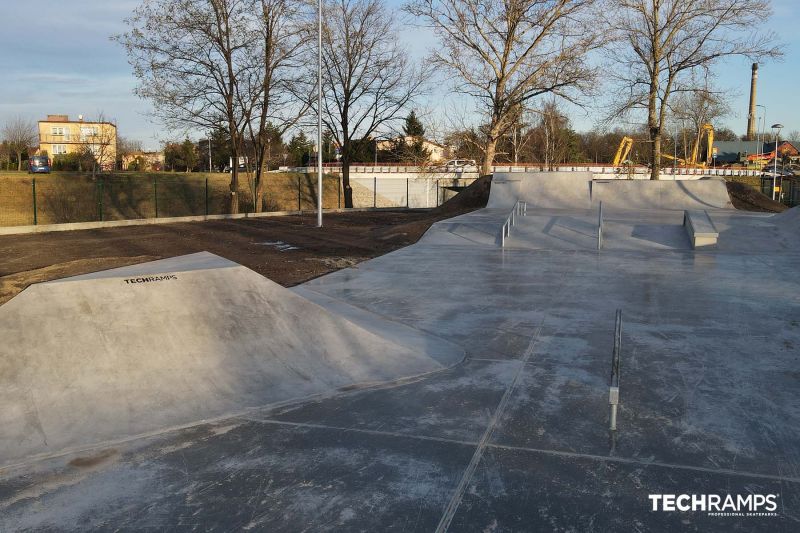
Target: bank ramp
x=577 y=190
x=139 y=349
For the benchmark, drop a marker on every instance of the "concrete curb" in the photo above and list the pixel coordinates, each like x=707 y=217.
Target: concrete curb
x=75 y=226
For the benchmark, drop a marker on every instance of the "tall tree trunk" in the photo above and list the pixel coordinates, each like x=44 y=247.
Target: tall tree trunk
x=258 y=180
x=234 y=187
x=347 y=189
x=19 y=161
x=488 y=157
x=655 y=171
x=654 y=129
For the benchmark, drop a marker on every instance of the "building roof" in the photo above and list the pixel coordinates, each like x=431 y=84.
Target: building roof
x=65 y=120
x=732 y=151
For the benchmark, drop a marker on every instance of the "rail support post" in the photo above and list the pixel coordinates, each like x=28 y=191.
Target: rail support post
x=613 y=389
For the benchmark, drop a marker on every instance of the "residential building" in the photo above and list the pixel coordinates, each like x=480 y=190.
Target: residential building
x=59 y=136
x=438 y=153
x=143 y=161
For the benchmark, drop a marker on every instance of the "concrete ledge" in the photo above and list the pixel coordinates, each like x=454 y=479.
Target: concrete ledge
x=701 y=230
x=75 y=226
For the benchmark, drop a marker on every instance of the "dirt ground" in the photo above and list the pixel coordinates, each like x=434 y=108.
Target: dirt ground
x=288 y=250
x=747 y=198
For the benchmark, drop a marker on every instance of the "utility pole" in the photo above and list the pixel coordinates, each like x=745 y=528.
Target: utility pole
x=209 y=153
x=319 y=113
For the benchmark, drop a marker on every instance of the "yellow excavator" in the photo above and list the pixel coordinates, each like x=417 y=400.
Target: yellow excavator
x=623 y=151
x=626 y=144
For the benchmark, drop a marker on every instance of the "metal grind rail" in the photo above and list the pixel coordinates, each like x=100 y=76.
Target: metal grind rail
x=613 y=389
x=519 y=209
x=600 y=227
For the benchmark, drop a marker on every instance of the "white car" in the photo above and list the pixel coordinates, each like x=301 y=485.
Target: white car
x=461 y=164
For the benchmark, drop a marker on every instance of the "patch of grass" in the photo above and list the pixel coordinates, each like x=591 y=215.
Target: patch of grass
x=62 y=197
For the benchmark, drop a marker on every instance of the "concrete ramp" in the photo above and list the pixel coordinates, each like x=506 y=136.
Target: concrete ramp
x=671 y=195
x=550 y=190
x=139 y=349
x=789 y=219
x=577 y=190
x=481 y=227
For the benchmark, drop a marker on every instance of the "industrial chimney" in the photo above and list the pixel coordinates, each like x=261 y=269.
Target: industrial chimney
x=751 y=116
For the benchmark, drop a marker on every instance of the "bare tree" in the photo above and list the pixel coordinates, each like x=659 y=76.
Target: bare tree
x=506 y=53
x=126 y=148
x=661 y=46
x=368 y=78
x=276 y=86
x=97 y=144
x=20 y=135
x=189 y=57
x=694 y=108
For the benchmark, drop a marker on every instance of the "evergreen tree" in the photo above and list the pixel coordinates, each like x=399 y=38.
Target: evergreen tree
x=188 y=155
x=299 y=149
x=413 y=126
x=412 y=147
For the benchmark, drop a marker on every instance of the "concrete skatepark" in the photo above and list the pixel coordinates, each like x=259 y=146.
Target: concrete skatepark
x=451 y=385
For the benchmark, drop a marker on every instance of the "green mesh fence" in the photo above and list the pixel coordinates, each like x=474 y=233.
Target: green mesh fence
x=71 y=197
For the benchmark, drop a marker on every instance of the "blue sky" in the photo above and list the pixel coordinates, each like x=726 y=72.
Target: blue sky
x=67 y=64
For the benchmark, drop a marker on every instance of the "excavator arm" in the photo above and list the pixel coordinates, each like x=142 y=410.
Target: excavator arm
x=708 y=130
x=623 y=151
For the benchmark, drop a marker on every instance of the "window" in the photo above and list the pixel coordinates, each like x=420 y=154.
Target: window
x=57 y=130
x=59 y=149
x=88 y=132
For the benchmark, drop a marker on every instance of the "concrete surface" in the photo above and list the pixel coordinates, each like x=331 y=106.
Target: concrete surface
x=139 y=349
x=515 y=438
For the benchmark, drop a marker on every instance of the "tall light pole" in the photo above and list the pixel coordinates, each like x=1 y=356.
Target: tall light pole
x=319 y=113
x=762 y=124
x=777 y=129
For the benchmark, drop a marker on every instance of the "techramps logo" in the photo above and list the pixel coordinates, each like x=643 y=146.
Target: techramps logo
x=735 y=505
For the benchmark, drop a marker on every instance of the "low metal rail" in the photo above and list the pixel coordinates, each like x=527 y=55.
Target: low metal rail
x=600 y=227
x=613 y=389
x=520 y=209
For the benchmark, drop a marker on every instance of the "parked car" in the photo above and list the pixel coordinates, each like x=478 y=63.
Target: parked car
x=461 y=165
x=39 y=164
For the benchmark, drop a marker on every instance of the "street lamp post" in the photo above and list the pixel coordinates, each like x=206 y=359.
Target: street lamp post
x=319 y=113
x=777 y=129
x=760 y=134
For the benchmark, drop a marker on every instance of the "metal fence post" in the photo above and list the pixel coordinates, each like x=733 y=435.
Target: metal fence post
x=339 y=192
x=299 y=207
x=155 y=194
x=206 y=196
x=408 y=200
x=35 y=219
x=437 y=193
x=374 y=192
x=100 y=184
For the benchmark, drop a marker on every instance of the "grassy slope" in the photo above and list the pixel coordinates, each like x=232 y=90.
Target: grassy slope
x=78 y=197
